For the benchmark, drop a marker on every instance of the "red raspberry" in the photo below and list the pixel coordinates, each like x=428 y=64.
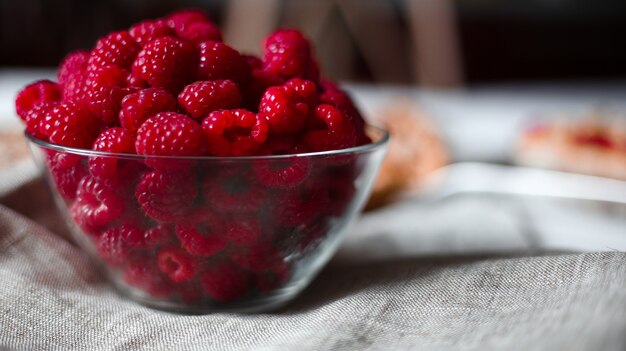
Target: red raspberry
x=139 y=106
x=244 y=230
x=136 y=82
x=42 y=91
x=166 y=196
x=115 y=140
x=157 y=236
x=142 y=272
x=296 y=208
x=334 y=96
x=203 y=97
x=179 y=20
x=70 y=124
x=285 y=111
x=75 y=88
x=202 y=234
x=66 y=175
x=74 y=62
x=198 y=32
x=234 y=132
x=282 y=173
x=259 y=257
x=330 y=130
x=220 y=61
x=96 y=206
x=225 y=282
x=106 y=87
x=35 y=116
x=118 y=49
x=112 y=246
x=288 y=54
x=281 y=145
x=176 y=263
x=170 y=134
x=306 y=90
x=146 y=31
x=231 y=191
x=166 y=62
x=338 y=183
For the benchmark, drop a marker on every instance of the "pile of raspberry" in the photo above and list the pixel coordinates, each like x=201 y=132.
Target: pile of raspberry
x=175 y=228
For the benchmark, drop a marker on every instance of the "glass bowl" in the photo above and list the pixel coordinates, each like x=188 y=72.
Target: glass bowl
x=207 y=234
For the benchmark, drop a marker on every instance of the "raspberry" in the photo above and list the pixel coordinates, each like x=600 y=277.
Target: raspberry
x=171 y=134
x=224 y=281
x=285 y=111
x=219 y=61
x=282 y=173
x=202 y=234
x=244 y=231
x=115 y=140
x=179 y=20
x=177 y=264
x=106 y=87
x=306 y=90
x=143 y=273
x=34 y=117
x=157 y=236
x=66 y=175
x=234 y=132
x=287 y=107
x=334 y=96
x=166 y=196
x=111 y=246
x=118 y=49
x=70 y=124
x=288 y=54
x=203 y=97
x=146 y=31
x=296 y=208
x=136 y=82
x=232 y=191
x=42 y=91
x=330 y=130
x=280 y=145
x=258 y=257
x=97 y=204
x=338 y=184
x=166 y=62
x=198 y=32
x=138 y=107
x=75 y=87
x=74 y=62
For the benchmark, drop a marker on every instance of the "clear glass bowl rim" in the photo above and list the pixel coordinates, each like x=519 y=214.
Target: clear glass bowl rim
x=381 y=142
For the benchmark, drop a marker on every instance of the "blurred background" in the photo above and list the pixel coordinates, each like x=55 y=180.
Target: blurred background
x=436 y=43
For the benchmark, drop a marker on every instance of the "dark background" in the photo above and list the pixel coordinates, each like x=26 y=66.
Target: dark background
x=501 y=40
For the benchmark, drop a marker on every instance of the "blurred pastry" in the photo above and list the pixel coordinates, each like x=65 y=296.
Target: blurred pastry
x=594 y=145
x=415 y=149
